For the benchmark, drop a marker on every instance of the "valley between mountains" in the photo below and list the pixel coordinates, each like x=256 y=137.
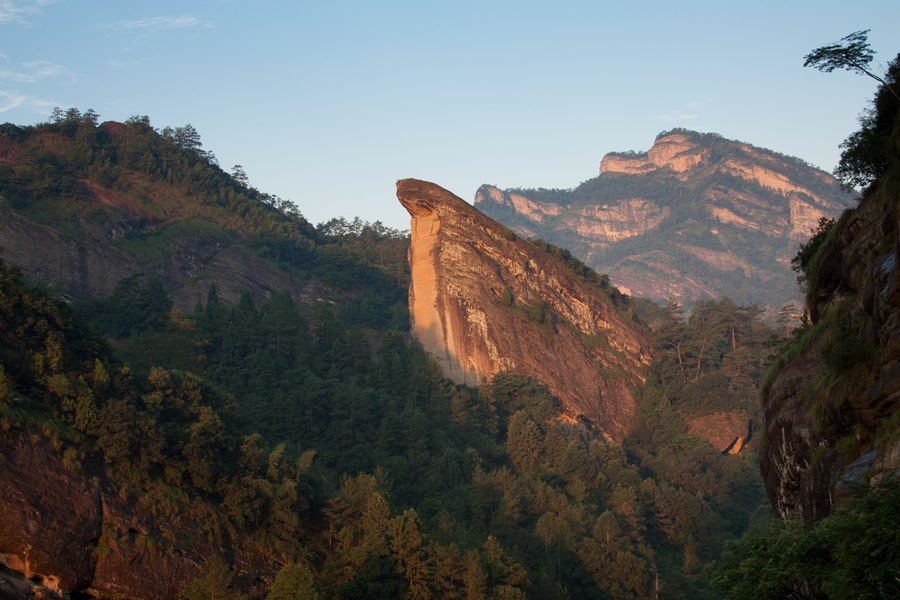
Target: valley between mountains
x=549 y=394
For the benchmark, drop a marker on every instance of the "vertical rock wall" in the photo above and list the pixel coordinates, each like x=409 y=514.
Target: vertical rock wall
x=483 y=302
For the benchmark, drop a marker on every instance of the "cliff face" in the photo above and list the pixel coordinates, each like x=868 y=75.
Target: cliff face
x=695 y=217
x=830 y=404
x=483 y=301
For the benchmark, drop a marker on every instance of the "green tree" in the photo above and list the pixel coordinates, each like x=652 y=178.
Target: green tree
x=240 y=176
x=294 y=581
x=852 y=53
x=852 y=553
x=507 y=577
x=523 y=442
x=801 y=262
x=866 y=153
x=187 y=138
x=215 y=584
x=408 y=548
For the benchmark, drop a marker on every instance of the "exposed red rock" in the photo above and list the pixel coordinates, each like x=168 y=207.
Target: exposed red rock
x=65 y=528
x=473 y=285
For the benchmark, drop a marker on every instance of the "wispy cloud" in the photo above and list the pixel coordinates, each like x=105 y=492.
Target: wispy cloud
x=18 y=11
x=154 y=24
x=20 y=81
x=684 y=114
x=150 y=26
x=34 y=71
x=122 y=64
x=14 y=99
x=10 y=100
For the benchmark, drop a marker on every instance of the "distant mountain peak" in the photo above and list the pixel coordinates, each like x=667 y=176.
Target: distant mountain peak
x=678 y=151
x=697 y=216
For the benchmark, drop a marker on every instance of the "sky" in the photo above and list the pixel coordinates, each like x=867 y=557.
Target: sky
x=328 y=104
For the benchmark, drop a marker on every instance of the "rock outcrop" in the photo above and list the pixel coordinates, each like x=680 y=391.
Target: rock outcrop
x=830 y=403
x=696 y=217
x=483 y=301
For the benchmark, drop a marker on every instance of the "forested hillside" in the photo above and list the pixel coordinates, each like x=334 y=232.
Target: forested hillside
x=293 y=441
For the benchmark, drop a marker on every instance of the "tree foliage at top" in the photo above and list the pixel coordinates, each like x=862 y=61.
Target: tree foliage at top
x=866 y=153
x=852 y=53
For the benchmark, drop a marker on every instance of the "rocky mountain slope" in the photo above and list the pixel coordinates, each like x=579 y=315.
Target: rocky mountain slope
x=831 y=405
x=484 y=301
x=696 y=217
x=66 y=527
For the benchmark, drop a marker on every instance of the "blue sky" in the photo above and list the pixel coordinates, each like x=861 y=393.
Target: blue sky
x=329 y=103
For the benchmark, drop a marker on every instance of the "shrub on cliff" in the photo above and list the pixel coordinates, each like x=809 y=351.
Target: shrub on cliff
x=853 y=553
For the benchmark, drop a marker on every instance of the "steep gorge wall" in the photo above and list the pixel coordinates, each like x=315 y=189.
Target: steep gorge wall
x=829 y=407
x=474 y=285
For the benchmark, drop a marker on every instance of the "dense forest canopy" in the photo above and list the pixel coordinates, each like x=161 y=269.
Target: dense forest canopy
x=315 y=439
x=295 y=429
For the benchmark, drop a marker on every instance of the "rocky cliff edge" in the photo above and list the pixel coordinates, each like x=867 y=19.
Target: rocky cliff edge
x=484 y=301
x=832 y=401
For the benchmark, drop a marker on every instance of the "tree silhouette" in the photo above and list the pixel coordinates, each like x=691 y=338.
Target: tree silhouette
x=852 y=53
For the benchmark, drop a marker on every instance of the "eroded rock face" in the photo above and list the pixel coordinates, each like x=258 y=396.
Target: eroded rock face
x=484 y=301
x=727 y=431
x=787 y=454
x=817 y=437
x=50 y=518
x=89 y=266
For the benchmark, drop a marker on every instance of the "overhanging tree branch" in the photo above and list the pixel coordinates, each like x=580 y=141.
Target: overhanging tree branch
x=852 y=53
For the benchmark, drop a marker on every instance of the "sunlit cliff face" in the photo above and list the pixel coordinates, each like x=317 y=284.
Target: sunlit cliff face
x=464 y=265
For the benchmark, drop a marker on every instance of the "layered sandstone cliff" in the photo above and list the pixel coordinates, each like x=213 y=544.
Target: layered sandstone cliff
x=695 y=217
x=484 y=301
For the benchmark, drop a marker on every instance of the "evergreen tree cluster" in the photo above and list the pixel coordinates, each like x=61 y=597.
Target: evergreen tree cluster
x=341 y=453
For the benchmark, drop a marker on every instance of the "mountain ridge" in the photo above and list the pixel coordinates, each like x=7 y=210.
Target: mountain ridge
x=86 y=206
x=692 y=218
